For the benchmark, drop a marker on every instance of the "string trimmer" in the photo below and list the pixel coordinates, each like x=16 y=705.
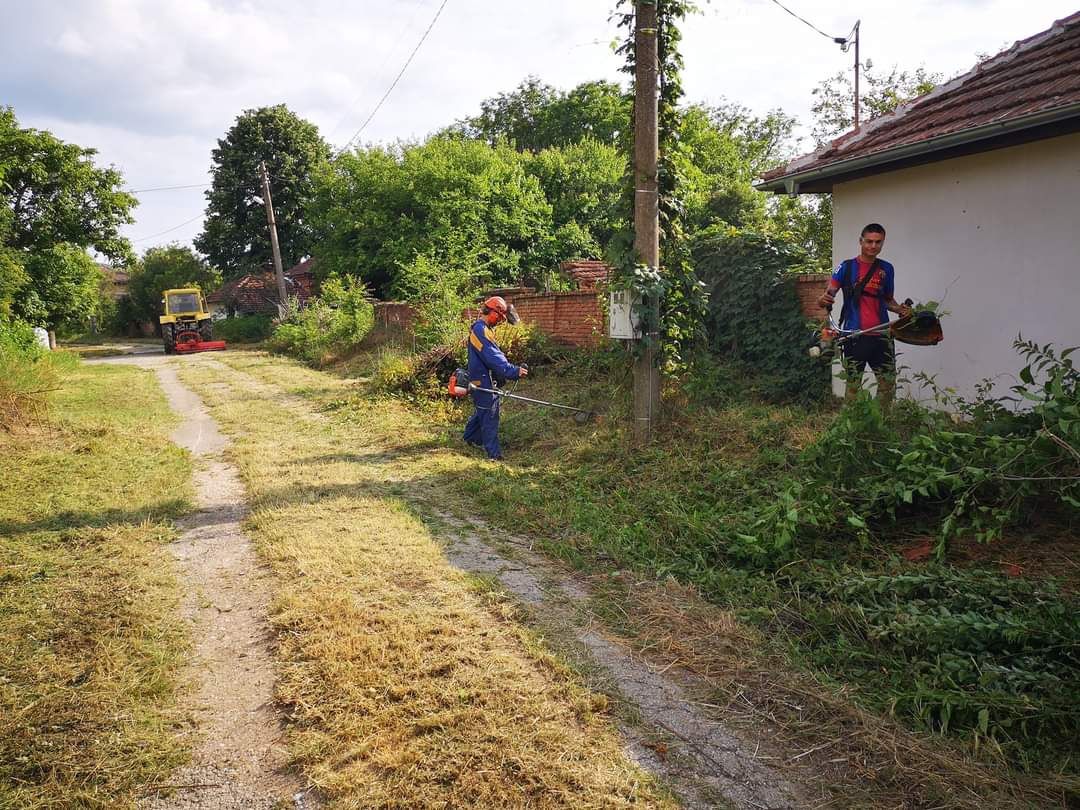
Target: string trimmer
x=919 y=328
x=460 y=386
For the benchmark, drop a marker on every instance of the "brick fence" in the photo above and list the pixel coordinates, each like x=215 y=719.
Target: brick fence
x=572 y=318
x=393 y=316
x=808 y=287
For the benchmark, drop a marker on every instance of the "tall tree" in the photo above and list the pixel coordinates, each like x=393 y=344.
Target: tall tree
x=56 y=194
x=879 y=93
x=55 y=204
x=535 y=116
x=63 y=287
x=167 y=268
x=235 y=236
x=583 y=183
x=460 y=203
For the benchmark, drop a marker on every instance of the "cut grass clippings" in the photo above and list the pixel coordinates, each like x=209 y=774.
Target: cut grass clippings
x=90 y=639
x=582 y=496
x=405 y=685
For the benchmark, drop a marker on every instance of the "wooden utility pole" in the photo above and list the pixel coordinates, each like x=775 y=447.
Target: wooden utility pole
x=279 y=273
x=646 y=210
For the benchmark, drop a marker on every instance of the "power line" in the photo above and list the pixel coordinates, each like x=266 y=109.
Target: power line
x=168 y=230
x=394 y=84
x=166 y=188
x=807 y=22
x=373 y=77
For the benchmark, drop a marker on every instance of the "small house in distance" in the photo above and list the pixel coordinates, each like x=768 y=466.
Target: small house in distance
x=257 y=294
x=975 y=183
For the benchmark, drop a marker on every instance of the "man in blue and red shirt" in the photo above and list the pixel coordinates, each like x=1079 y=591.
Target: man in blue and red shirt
x=868 y=285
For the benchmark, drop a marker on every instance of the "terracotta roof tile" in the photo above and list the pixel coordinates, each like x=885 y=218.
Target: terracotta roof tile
x=1037 y=74
x=257 y=292
x=587 y=273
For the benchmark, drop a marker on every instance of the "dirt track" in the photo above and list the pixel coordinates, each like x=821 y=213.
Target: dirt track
x=239 y=756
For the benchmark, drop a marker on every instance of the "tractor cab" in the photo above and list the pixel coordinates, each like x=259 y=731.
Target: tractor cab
x=186 y=325
x=184 y=304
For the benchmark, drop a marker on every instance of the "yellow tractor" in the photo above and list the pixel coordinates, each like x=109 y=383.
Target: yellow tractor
x=186 y=325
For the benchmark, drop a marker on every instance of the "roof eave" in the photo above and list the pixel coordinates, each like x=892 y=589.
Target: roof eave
x=791 y=183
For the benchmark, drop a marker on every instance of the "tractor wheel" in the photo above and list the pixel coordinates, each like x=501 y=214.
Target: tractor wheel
x=206 y=330
x=167 y=338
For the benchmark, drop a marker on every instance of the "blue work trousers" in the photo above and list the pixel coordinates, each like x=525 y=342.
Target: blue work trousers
x=482 y=429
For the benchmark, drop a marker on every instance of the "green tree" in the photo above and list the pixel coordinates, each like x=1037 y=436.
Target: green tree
x=167 y=268
x=55 y=194
x=583 y=184
x=235 y=235
x=13 y=276
x=63 y=287
x=55 y=204
x=535 y=116
x=719 y=151
x=459 y=203
x=879 y=92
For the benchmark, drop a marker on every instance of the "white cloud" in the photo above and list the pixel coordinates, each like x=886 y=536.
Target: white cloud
x=153 y=83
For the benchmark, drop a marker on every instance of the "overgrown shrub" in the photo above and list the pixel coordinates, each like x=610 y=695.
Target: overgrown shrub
x=439 y=294
x=330 y=327
x=26 y=373
x=426 y=373
x=244 y=328
x=972 y=653
x=525 y=343
x=754 y=317
x=926 y=473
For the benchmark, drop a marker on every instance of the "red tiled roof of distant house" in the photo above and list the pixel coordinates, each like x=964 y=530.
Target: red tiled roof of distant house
x=257 y=292
x=587 y=273
x=1039 y=74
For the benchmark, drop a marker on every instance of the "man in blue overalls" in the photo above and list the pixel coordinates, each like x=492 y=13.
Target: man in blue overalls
x=487 y=365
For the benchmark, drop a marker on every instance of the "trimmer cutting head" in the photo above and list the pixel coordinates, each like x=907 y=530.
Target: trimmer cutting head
x=918 y=329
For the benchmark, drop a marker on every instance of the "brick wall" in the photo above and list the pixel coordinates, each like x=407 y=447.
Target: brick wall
x=808 y=287
x=393 y=316
x=572 y=318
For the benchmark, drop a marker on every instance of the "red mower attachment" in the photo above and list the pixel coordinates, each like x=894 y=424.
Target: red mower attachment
x=188 y=342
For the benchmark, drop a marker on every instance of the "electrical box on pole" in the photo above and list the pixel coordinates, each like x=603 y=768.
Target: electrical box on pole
x=623 y=322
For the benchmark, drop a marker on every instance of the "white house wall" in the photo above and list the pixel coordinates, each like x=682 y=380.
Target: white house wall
x=996 y=235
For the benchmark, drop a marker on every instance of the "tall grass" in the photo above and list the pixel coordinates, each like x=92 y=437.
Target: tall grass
x=27 y=373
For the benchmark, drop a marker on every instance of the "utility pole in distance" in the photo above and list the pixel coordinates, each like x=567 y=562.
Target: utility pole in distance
x=279 y=273
x=646 y=209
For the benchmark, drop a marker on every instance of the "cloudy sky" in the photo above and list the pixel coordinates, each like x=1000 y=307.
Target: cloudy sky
x=151 y=84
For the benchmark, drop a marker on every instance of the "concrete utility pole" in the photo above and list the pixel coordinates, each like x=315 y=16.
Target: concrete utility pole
x=857 y=23
x=646 y=209
x=279 y=273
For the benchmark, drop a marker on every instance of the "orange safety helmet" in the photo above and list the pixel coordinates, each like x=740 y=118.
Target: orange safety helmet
x=495 y=310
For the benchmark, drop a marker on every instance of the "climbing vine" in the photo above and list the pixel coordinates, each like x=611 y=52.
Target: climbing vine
x=682 y=297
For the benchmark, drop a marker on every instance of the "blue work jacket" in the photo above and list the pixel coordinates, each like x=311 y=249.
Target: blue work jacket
x=486 y=360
